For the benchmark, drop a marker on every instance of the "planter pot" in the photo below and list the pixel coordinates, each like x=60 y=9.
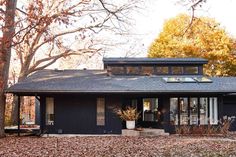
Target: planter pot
x=130 y=124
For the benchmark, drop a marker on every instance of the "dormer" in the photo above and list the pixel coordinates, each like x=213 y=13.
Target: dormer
x=154 y=66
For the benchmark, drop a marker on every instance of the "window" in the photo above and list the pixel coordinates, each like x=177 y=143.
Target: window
x=116 y=69
x=49 y=111
x=132 y=70
x=191 y=70
x=162 y=70
x=150 y=110
x=177 y=70
x=213 y=106
x=183 y=103
x=203 y=111
x=147 y=70
x=100 y=111
x=174 y=111
x=193 y=111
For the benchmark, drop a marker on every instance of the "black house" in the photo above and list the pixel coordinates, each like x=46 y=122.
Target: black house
x=167 y=91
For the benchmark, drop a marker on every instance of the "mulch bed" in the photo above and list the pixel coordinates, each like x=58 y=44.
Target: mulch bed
x=117 y=146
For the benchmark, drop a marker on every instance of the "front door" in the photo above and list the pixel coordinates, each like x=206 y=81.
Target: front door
x=150 y=111
x=151 y=116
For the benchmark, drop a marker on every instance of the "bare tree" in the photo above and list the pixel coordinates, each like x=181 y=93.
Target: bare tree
x=192 y=5
x=47 y=29
x=5 y=54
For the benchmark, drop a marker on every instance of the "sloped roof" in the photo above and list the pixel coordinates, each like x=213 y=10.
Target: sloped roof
x=97 y=81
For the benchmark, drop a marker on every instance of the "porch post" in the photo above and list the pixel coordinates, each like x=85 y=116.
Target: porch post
x=18 y=112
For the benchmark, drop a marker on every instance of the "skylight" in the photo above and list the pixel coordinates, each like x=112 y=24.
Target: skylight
x=203 y=79
x=179 y=79
x=187 y=80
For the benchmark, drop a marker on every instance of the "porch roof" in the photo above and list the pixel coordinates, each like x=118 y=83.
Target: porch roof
x=97 y=81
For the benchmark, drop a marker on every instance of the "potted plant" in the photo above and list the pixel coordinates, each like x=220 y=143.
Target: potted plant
x=129 y=114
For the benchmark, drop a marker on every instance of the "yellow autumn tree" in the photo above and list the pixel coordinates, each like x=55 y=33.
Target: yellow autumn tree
x=199 y=37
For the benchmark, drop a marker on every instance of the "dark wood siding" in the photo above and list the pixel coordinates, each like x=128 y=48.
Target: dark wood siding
x=76 y=114
x=113 y=122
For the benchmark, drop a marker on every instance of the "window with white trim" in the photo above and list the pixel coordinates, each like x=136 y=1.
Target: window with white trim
x=49 y=111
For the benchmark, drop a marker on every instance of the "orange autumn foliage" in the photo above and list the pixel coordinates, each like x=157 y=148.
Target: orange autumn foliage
x=204 y=38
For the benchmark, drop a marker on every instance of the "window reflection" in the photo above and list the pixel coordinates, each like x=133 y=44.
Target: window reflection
x=191 y=70
x=132 y=70
x=49 y=111
x=203 y=111
x=147 y=70
x=213 y=110
x=174 y=111
x=193 y=111
x=150 y=109
x=162 y=70
x=177 y=70
x=100 y=111
x=183 y=102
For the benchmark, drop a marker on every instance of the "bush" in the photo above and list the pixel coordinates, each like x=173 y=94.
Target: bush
x=222 y=128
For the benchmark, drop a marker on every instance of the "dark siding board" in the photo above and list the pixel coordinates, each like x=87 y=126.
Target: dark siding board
x=42 y=114
x=229 y=109
x=166 y=114
x=75 y=114
x=113 y=124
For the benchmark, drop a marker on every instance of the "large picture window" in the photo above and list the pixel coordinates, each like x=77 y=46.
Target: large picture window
x=213 y=106
x=100 y=111
x=174 y=111
x=194 y=110
x=49 y=111
x=183 y=111
x=203 y=111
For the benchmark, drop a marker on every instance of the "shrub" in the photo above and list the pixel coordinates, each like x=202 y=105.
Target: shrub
x=128 y=114
x=222 y=128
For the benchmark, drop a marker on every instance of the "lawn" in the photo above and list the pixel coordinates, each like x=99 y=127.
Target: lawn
x=117 y=146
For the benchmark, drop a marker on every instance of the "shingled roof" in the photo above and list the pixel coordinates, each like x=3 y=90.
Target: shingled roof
x=97 y=81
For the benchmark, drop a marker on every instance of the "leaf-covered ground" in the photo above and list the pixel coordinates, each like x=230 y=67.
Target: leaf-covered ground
x=117 y=146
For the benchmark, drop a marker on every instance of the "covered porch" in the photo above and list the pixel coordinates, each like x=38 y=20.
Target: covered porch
x=25 y=125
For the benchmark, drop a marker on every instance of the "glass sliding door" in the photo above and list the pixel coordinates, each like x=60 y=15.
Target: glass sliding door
x=174 y=111
x=193 y=111
x=183 y=103
x=203 y=111
x=213 y=110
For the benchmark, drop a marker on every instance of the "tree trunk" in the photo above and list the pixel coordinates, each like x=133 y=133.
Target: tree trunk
x=14 y=112
x=5 y=55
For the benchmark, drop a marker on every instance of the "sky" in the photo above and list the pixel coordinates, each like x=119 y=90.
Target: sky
x=149 y=21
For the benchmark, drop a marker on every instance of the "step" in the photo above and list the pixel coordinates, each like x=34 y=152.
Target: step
x=144 y=132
